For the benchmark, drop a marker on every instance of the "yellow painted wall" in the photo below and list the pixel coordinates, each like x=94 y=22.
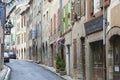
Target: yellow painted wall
x=115 y=16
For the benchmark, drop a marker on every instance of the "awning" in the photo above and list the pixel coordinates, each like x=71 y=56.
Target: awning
x=58 y=41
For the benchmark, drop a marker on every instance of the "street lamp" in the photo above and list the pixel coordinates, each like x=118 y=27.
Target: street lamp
x=7 y=29
x=10 y=24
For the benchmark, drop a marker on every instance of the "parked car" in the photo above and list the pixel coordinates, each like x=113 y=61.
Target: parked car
x=6 y=57
x=12 y=55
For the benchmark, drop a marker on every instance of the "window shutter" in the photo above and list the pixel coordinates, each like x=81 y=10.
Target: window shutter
x=79 y=9
x=63 y=20
x=66 y=17
x=24 y=20
x=76 y=10
x=75 y=53
x=92 y=7
x=49 y=0
x=76 y=6
x=51 y=28
x=72 y=12
x=58 y=21
x=54 y=23
x=83 y=3
x=101 y=3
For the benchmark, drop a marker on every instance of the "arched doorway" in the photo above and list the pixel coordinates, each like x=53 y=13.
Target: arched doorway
x=115 y=43
x=47 y=58
x=24 y=53
x=36 y=53
x=30 y=53
x=43 y=53
x=113 y=53
x=21 y=53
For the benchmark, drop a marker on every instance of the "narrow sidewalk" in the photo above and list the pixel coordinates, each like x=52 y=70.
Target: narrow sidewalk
x=5 y=73
x=66 y=77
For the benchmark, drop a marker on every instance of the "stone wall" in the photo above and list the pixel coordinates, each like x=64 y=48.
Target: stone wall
x=1 y=47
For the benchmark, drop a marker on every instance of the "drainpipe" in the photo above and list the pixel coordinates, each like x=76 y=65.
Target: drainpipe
x=104 y=20
x=104 y=39
x=60 y=17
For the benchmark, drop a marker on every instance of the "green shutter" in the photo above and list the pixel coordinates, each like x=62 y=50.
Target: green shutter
x=11 y=36
x=83 y=7
x=66 y=17
x=79 y=8
x=62 y=20
x=72 y=12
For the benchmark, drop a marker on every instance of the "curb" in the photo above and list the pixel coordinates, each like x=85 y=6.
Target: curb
x=51 y=71
x=47 y=69
x=7 y=76
x=5 y=73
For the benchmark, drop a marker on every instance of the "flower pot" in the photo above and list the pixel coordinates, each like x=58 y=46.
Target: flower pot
x=57 y=70
x=62 y=72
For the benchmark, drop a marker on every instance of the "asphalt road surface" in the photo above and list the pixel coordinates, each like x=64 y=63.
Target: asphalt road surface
x=25 y=70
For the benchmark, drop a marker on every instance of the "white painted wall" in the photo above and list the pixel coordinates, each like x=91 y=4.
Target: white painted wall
x=112 y=4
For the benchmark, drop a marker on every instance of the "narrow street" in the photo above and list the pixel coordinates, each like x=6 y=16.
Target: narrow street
x=24 y=70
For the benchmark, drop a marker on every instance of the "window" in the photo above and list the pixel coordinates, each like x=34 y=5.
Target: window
x=54 y=23
x=24 y=20
x=18 y=39
x=45 y=1
x=51 y=27
x=25 y=37
x=18 y=26
x=72 y=12
x=44 y=18
x=49 y=0
x=21 y=38
x=47 y=16
x=58 y=21
x=78 y=10
x=92 y=7
x=83 y=6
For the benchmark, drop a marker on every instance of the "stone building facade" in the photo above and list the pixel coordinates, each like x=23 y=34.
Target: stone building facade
x=112 y=41
x=77 y=53
x=94 y=48
x=75 y=29
x=20 y=31
x=1 y=47
x=54 y=29
x=45 y=32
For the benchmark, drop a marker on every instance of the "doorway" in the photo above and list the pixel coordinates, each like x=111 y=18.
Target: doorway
x=98 y=60
x=68 y=59
x=115 y=41
x=52 y=55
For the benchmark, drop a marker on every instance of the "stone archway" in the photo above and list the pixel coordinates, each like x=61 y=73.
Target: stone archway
x=112 y=43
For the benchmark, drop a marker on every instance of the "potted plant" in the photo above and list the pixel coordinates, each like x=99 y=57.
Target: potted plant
x=57 y=62
x=60 y=65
